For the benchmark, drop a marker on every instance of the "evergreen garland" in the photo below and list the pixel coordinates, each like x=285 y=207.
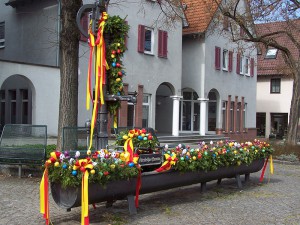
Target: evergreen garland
x=116 y=29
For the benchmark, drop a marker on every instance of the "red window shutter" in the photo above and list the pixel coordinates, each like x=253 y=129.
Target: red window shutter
x=238 y=57
x=165 y=44
x=85 y=25
x=217 y=58
x=251 y=67
x=162 y=44
x=141 y=38
x=230 y=56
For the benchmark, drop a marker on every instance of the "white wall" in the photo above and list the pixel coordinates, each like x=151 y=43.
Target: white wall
x=273 y=103
x=45 y=95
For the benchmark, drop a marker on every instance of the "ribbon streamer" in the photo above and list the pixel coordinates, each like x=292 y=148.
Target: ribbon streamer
x=44 y=196
x=271 y=165
x=137 y=188
x=128 y=147
x=263 y=171
x=167 y=165
x=100 y=71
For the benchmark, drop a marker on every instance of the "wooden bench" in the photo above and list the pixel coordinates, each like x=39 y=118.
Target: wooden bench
x=23 y=144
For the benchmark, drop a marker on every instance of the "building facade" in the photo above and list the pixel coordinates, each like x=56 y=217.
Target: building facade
x=218 y=75
x=274 y=85
x=30 y=74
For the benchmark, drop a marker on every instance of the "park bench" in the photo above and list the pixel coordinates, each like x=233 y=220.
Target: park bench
x=23 y=144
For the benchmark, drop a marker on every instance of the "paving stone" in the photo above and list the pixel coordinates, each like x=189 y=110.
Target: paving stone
x=275 y=201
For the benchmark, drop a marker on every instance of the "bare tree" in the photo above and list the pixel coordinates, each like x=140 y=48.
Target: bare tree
x=271 y=11
x=69 y=48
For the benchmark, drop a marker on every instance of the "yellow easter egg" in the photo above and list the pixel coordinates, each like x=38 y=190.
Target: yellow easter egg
x=56 y=164
x=92 y=171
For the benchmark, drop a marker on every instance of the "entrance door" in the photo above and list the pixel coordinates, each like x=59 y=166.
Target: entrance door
x=190 y=112
x=279 y=123
x=212 y=111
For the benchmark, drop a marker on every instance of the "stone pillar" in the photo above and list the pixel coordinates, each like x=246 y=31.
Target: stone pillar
x=242 y=128
x=203 y=116
x=139 y=107
x=228 y=114
x=235 y=114
x=124 y=109
x=175 y=121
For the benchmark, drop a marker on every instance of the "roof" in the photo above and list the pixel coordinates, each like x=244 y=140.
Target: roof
x=276 y=66
x=199 y=14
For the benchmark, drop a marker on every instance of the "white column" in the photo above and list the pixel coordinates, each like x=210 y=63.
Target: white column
x=175 y=121
x=203 y=110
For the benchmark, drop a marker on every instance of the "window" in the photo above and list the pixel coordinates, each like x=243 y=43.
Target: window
x=241 y=64
x=225 y=60
x=146 y=110
x=271 y=53
x=247 y=66
x=145 y=39
x=275 y=85
x=130 y=115
x=162 y=43
x=224 y=115
x=2 y=34
x=217 y=58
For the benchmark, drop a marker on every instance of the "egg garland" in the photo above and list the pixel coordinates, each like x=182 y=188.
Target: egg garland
x=116 y=28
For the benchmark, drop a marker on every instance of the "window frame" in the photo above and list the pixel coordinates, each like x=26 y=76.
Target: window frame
x=271 y=56
x=242 y=70
x=225 y=60
x=2 y=40
x=273 y=82
x=151 y=52
x=247 y=66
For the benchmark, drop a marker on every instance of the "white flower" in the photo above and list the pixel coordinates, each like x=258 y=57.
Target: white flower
x=62 y=157
x=77 y=154
x=179 y=145
x=71 y=161
x=211 y=142
x=94 y=163
x=113 y=154
x=203 y=142
x=166 y=146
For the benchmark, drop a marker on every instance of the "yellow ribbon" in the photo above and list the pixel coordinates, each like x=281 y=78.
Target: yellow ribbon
x=271 y=165
x=99 y=73
x=85 y=198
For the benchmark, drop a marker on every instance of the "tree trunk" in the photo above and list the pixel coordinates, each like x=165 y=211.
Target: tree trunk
x=294 y=112
x=69 y=48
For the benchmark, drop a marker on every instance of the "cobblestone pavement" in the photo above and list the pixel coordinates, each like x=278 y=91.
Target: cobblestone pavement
x=275 y=201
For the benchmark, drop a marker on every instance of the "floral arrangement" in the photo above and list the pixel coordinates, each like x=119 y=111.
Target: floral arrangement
x=140 y=138
x=212 y=156
x=104 y=165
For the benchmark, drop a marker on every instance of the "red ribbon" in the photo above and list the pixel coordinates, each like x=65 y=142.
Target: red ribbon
x=138 y=187
x=263 y=171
